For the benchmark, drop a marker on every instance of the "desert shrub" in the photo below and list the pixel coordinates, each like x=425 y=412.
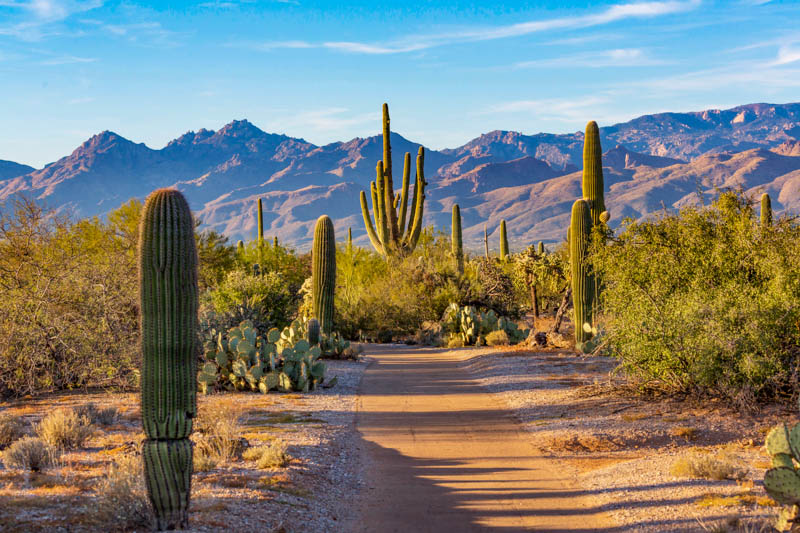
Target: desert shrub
x=294 y=268
x=705 y=465
x=380 y=299
x=705 y=300
x=65 y=429
x=455 y=341
x=217 y=258
x=30 y=453
x=101 y=416
x=218 y=433
x=497 y=338
x=12 y=427
x=272 y=455
x=68 y=310
x=549 y=272
x=267 y=296
x=122 y=501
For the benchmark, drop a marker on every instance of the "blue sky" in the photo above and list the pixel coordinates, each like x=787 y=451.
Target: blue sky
x=449 y=69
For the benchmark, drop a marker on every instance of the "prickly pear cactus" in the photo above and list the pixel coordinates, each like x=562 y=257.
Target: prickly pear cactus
x=169 y=325
x=782 y=482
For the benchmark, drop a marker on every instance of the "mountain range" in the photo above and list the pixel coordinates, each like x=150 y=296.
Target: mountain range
x=651 y=162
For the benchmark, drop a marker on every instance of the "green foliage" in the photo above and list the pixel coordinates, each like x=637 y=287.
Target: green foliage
x=292 y=267
x=497 y=338
x=389 y=235
x=265 y=299
x=323 y=273
x=549 y=271
x=68 y=309
x=217 y=258
x=705 y=300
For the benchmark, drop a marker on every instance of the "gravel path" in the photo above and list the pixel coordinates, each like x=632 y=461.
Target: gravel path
x=622 y=448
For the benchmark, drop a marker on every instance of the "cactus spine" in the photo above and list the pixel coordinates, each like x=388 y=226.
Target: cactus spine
x=582 y=279
x=457 y=244
x=766 y=210
x=323 y=273
x=503 y=241
x=168 y=296
x=593 y=172
x=392 y=232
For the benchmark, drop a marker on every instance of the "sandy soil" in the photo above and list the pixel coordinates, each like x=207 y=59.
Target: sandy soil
x=622 y=447
x=306 y=495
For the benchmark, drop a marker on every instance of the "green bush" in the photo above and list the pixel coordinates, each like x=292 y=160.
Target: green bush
x=266 y=295
x=705 y=300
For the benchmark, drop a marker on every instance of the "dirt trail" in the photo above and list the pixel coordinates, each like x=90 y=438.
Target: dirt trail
x=443 y=454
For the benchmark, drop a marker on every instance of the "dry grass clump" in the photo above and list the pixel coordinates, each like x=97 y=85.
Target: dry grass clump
x=703 y=465
x=218 y=435
x=684 y=432
x=30 y=453
x=455 y=342
x=122 y=496
x=101 y=417
x=274 y=455
x=65 y=429
x=497 y=338
x=12 y=427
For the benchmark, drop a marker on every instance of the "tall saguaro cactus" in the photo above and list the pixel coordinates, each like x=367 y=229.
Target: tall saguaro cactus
x=456 y=241
x=583 y=291
x=766 y=210
x=168 y=295
x=323 y=273
x=503 y=241
x=394 y=233
x=485 y=241
x=260 y=226
x=593 y=172
x=540 y=248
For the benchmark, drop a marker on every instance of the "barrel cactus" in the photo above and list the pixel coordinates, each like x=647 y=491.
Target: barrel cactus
x=169 y=300
x=766 y=210
x=582 y=279
x=457 y=243
x=503 y=241
x=323 y=273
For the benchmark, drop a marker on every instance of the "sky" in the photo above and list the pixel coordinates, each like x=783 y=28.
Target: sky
x=449 y=69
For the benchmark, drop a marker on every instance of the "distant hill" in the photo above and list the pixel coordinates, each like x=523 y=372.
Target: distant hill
x=665 y=159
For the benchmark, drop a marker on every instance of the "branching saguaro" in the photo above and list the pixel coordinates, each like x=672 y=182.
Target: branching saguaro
x=396 y=228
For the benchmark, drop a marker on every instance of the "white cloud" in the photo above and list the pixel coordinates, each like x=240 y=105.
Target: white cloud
x=67 y=60
x=412 y=43
x=619 y=57
x=30 y=17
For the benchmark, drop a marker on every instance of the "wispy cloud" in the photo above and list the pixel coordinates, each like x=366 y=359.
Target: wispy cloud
x=619 y=57
x=29 y=19
x=331 y=119
x=67 y=60
x=414 y=43
x=563 y=110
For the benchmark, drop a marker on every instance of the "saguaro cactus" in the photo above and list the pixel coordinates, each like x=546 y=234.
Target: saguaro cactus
x=323 y=273
x=456 y=242
x=168 y=295
x=503 y=241
x=240 y=248
x=394 y=232
x=349 y=240
x=485 y=241
x=582 y=279
x=260 y=225
x=540 y=248
x=593 y=172
x=766 y=210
